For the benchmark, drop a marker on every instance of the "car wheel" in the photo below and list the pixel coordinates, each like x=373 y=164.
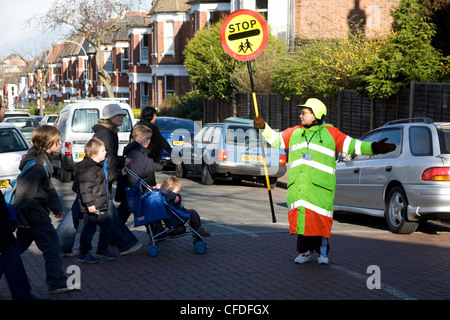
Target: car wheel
x=395 y=214
x=180 y=171
x=207 y=178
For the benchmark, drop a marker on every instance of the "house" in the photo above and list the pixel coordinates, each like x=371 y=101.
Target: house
x=145 y=58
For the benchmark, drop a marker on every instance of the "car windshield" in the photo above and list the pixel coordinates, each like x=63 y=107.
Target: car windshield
x=174 y=124
x=11 y=140
x=84 y=119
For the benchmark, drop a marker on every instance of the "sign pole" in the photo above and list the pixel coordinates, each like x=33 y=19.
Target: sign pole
x=244 y=36
x=261 y=143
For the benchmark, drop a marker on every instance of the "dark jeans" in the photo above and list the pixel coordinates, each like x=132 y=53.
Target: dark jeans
x=122 y=237
x=11 y=266
x=46 y=239
x=318 y=244
x=104 y=221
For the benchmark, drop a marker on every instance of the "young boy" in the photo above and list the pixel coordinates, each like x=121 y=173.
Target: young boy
x=140 y=164
x=92 y=188
x=170 y=189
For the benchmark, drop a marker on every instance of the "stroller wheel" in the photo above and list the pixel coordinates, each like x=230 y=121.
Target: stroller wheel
x=200 y=247
x=153 y=250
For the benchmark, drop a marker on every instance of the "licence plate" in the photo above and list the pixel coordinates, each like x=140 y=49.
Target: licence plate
x=177 y=143
x=249 y=158
x=79 y=156
x=3 y=183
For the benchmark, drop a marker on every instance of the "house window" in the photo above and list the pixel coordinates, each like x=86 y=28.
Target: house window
x=155 y=39
x=108 y=59
x=144 y=47
x=144 y=94
x=169 y=43
x=85 y=70
x=125 y=59
x=261 y=8
x=169 y=85
x=214 y=16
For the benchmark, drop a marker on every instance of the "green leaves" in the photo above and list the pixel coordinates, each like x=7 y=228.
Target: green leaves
x=209 y=66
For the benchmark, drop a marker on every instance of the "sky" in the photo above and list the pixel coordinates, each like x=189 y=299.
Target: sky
x=28 y=41
x=15 y=35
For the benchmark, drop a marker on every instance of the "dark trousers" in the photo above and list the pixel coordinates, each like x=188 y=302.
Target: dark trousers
x=318 y=244
x=104 y=221
x=122 y=237
x=46 y=239
x=11 y=266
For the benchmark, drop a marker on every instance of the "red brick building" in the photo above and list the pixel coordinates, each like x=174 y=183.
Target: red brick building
x=145 y=59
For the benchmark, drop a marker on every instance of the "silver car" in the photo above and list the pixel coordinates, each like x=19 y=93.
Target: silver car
x=406 y=186
x=13 y=147
x=232 y=149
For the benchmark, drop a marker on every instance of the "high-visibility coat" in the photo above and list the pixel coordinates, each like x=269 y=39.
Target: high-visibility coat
x=312 y=173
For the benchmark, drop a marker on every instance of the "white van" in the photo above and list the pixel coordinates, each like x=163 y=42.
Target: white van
x=75 y=122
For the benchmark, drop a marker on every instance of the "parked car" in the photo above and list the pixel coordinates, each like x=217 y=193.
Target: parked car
x=406 y=186
x=75 y=123
x=25 y=124
x=49 y=119
x=16 y=113
x=229 y=149
x=176 y=131
x=13 y=147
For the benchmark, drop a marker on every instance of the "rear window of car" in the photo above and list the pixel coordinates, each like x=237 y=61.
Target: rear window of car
x=84 y=119
x=444 y=140
x=11 y=140
x=174 y=124
x=242 y=136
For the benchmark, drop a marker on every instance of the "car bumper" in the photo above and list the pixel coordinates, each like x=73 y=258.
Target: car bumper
x=253 y=170
x=426 y=200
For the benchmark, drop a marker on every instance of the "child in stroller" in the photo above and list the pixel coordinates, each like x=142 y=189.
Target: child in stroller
x=170 y=189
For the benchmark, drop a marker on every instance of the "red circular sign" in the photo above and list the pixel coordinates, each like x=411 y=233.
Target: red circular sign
x=244 y=34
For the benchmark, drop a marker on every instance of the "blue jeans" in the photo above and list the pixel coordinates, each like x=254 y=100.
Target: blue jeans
x=68 y=228
x=11 y=266
x=104 y=220
x=46 y=239
x=122 y=237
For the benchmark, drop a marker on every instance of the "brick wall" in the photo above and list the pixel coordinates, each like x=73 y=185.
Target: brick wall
x=330 y=19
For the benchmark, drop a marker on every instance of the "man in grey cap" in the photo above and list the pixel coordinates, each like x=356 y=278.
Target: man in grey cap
x=106 y=130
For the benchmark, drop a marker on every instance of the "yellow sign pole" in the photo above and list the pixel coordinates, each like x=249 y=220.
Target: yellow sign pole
x=261 y=143
x=244 y=36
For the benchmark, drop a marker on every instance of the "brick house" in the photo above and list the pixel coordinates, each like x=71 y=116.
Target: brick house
x=145 y=59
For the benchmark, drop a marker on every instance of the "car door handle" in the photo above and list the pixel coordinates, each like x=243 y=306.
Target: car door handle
x=389 y=168
x=356 y=170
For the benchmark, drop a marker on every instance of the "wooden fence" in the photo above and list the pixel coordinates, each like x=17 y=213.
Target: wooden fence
x=351 y=113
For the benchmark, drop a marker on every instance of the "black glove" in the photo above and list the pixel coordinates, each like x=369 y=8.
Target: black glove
x=258 y=122
x=381 y=147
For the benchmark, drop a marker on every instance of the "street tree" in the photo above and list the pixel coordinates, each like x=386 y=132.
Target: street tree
x=96 y=20
x=408 y=54
x=209 y=66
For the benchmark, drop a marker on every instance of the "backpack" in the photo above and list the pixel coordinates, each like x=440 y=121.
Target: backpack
x=11 y=194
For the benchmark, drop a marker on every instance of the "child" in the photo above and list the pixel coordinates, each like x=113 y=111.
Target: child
x=140 y=164
x=92 y=189
x=35 y=198
x=170 y=189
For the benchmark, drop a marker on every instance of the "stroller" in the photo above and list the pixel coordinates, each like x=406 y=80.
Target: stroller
x=150 y=207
